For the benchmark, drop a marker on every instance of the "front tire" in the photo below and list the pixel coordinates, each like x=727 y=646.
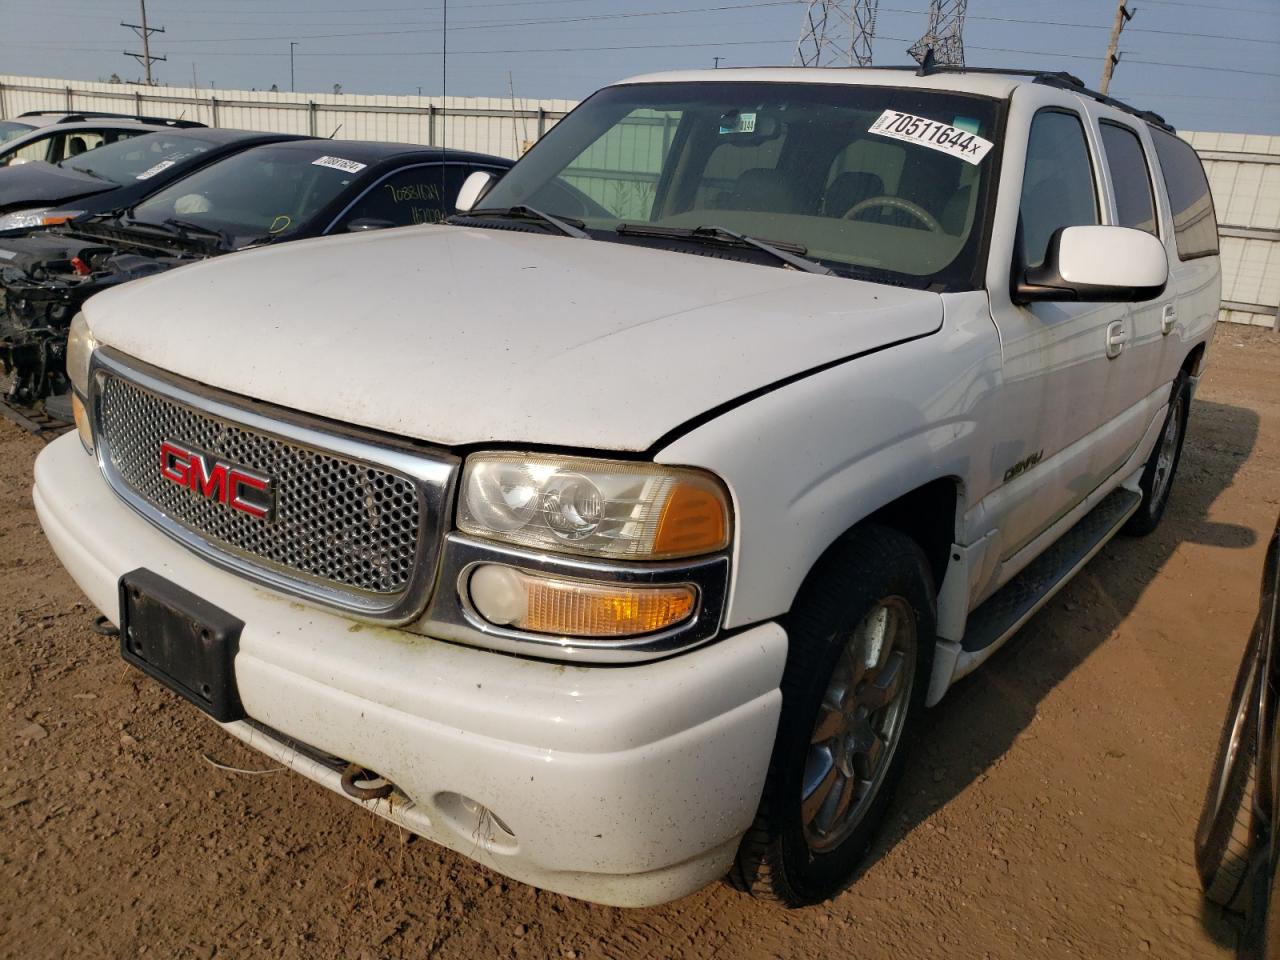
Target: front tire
x=861 y=642
x=1157 y=477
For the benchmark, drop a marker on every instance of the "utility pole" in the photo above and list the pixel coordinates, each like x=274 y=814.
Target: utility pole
x=1123 y=16
x=837 y=33
x=944 y=34
x=716 y=62
x=292 y=44
x=145 y=32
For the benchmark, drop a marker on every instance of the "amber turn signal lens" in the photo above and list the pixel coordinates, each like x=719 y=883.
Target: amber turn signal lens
x=693 y=521
x=82 y=421
x=577 y=608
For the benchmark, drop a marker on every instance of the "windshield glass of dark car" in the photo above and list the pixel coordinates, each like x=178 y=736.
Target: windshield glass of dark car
x=9 y=129
x=868 y=179
x=137 y=158
x=268 y=191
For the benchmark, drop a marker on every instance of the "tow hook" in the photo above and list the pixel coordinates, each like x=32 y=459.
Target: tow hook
x=104 y=627
x=354 y=775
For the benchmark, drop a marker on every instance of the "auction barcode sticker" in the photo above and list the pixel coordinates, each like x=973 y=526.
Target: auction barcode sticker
x=152 y=171
x=337 y=163
x=933 y=134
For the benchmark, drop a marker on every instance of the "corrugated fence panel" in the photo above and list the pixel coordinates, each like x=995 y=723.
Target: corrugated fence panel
x=482 y=124
x=1244 y=176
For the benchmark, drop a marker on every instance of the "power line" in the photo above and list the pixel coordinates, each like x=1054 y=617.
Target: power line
x=491 y=24
x=662 y=46
x=1214 y=9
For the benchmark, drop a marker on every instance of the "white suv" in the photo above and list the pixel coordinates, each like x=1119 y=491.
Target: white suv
x=618 y=533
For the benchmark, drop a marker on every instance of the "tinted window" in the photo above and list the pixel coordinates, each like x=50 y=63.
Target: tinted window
x=267 y=191
x=1130 y=181
x=1194 y=225
x=619 y=171
x=411 y=196
x=75 y=143
x=12 y=128
x=37 y=149
x=140 y=158
x=1057 y=186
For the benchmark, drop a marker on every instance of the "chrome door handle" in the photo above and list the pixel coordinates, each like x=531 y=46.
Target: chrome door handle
x=1116 y=338
x=1168 y=319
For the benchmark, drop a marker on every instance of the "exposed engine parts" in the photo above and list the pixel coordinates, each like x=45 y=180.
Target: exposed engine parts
x=44 y=279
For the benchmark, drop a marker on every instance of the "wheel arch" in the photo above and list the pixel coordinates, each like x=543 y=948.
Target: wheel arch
x=927 y=515
x=1194 y=361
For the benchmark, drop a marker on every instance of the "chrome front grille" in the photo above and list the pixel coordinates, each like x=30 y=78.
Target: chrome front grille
x=355 y=524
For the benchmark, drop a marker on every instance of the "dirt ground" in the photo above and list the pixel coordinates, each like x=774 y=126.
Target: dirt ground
x=1050 y=814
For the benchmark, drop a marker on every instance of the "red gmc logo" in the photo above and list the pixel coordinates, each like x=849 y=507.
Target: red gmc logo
x=207 y=476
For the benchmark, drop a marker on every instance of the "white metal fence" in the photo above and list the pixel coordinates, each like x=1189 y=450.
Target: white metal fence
x=1244 y=174
x=1244 y=171
x=484 y=124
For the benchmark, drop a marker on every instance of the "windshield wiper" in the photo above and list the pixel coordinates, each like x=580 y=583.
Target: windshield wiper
x=186 y=226
x=93 y=173
x=566 y=225
x=792 y=254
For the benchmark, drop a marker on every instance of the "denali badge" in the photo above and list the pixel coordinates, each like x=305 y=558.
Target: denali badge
x=236 y=487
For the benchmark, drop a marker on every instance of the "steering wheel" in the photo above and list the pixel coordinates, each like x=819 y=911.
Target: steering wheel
x=896 y=203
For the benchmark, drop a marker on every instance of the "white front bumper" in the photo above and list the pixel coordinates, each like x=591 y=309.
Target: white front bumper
x=627 y=785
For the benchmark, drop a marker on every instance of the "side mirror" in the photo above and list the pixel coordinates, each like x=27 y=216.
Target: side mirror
x=1097 y=264
x=368 y=223
x=473 y=190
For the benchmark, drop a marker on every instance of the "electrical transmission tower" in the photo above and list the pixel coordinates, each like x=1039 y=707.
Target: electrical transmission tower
x=837 y=33
x=944 y=35
x=144 y=32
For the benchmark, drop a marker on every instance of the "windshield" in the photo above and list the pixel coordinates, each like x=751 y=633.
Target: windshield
x=9 y=129
x=876 y=180
x=271 y=190
x=137 y=158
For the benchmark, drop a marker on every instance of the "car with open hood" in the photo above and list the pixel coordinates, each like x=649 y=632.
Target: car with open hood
x=280 y=189
x=113 y=176
x=618 y=532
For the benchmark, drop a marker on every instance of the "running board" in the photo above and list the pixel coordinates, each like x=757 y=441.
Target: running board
x=1004 y=613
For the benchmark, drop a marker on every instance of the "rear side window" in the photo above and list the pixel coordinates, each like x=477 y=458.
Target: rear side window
x=1057 y=185
x=417 y=195
x=1194 y=226
x=1130 y=180
x=31 y=152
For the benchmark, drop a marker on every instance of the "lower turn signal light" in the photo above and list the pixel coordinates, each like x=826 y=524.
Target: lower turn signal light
x=81 y=416
x=577 y=608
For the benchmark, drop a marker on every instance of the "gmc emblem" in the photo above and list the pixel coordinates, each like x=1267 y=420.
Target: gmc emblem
x=207 y=476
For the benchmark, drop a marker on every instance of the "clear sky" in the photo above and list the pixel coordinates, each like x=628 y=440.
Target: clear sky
x=1203 y=64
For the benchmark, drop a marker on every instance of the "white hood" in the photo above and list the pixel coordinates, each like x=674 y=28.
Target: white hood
x=460 y=335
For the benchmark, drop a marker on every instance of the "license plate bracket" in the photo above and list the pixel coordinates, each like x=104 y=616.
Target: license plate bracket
x=182 y=640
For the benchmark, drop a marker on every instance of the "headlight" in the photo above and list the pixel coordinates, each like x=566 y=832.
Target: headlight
x=80 y=347
x=600 y=508
x=36 y=217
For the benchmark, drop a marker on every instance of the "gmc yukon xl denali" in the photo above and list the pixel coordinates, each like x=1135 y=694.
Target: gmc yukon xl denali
x=617 y=533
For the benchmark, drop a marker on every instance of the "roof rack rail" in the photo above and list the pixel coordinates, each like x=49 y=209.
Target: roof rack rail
x=79 y=116
x=1068 y=82
x=1056 y=78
